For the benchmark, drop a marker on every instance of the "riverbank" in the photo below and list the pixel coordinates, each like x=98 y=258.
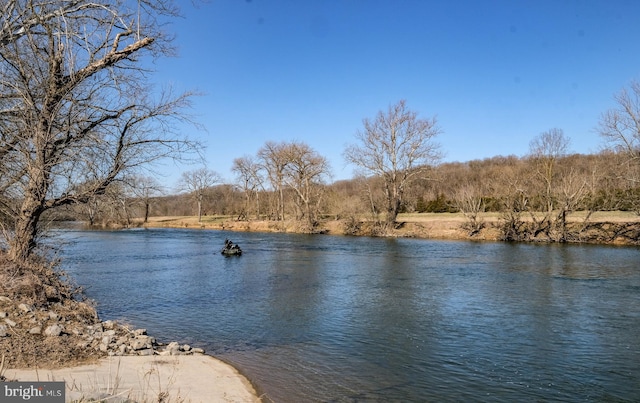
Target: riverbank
x=154 y=378
x=610 y=227
x=47 y=334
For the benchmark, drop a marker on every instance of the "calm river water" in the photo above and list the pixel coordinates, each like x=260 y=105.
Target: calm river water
x=342 y=319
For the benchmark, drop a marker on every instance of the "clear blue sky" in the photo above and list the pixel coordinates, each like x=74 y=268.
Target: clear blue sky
x=495 y=73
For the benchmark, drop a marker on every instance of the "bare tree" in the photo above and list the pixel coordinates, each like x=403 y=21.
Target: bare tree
x=398 y=147
x=91 y=209
x=273 y=158
x=514 y=202
x=248 y=174
x=545 y=150
x=75 y=106
x=564 y=187
x=469 y=201
x=120 y=198
x=572 y=189
x=197 y=182
x=620 y=127
x=305 y=173
x=145 y=188
x=113 y=206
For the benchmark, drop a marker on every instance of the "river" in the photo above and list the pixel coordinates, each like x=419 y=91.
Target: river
x=346 y=319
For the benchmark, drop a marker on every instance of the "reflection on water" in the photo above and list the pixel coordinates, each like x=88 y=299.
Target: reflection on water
x=322 y=318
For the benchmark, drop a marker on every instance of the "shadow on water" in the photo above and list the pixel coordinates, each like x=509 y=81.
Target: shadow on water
x=324 y=318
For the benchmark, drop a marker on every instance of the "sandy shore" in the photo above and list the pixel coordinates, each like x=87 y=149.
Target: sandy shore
x=195 y=378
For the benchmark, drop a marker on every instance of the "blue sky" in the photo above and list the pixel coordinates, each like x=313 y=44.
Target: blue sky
x=494 y=73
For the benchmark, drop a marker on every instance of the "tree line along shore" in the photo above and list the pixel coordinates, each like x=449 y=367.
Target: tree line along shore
x=537 y=197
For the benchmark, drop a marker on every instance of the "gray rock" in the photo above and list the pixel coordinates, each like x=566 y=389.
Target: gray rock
x=35 y=330
x=172 y=348
x=4 y=300
x=108 y=324
x=186 y=347
x=53 y=330
x=54 y=316
x=3 y=314
x=141 y=343
x=25 y=308
x=146 y=351
x=10 y=322
x=197 y=350
x=107 y=339
x=173 y=344
x=3 y=331
x=140 y=332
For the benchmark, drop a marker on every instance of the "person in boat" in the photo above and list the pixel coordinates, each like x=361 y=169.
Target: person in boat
x=229 y=247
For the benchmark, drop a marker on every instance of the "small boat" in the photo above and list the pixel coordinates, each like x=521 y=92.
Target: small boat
x=231 y=249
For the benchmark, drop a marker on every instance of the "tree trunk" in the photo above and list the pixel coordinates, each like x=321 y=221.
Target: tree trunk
x=392 y=213
x=394 y=200
x=126 y=212
x=26 y=230
x=257 y=206
x=563 y=226
x=146 y=212
x=281 y=202
x=310 y=215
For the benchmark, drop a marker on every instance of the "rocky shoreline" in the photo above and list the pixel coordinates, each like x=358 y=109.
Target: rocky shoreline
x=48 y=330
x=43 y=324
x=23 y=325
x=107 y=360
x=108 y=337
